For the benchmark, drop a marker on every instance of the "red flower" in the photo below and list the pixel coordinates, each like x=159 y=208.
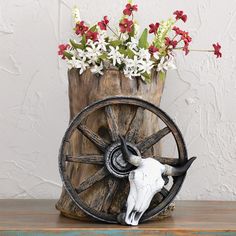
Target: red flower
x=80 y=28
x=185 y=48
x=169 y=42
x=153 y=28
x=217 y=48
x=177 y=30
x=185 y=36
x=62 y=48
x=129 y=9
x=180 y=15
x=92 y=35
x=152 y=49
x=103 y=24
x=126 y=25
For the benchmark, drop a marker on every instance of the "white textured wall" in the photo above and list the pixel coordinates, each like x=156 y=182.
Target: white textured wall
x=200 y=96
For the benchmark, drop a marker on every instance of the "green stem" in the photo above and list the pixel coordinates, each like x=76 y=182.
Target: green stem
x=195 y=50
x=112 y=31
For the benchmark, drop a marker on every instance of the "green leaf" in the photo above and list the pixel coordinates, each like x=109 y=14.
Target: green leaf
x=147 y=77
x=115 y=43
x=126 y=52
x=76 y=45
x=83 y=40
x=93 y=28
x=122 y=50
x=132 y=31
x=103 y=56
x=162 y=75
x=129 y=53
x=143 y=43
x=67 y=55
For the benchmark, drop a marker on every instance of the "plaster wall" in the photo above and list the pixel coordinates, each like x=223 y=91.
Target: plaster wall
x=200 y=95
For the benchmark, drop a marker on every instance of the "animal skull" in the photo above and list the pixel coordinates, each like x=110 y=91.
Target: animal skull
x=145 y=182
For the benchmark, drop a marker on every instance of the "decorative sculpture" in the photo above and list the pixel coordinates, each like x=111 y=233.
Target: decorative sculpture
x=100 y=59
x=119 y=159
x=145 y=182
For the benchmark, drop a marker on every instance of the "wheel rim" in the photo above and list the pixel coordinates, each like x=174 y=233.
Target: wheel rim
x=105 y=171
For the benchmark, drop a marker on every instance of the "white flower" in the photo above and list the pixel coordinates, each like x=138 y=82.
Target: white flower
x=171 y=63
x=145 y=66
x=80 y=64
x=81 y=54
x=76 y=14
x=133 y=44
x=156 y=55
x=128 y=72
x=132 y=67
x=115 y=55
x=124 y=36
x=166 y=63
x=143 y=54
x=97 y=69
x=93 y=51
x=102 y=43
x=161 y=65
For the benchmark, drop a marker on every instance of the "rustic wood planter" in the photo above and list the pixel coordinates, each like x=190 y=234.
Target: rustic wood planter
x=83 y=90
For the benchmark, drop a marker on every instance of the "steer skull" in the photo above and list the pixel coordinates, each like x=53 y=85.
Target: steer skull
x=145 y=181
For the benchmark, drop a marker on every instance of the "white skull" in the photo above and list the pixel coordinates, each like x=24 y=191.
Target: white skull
x=145 y=182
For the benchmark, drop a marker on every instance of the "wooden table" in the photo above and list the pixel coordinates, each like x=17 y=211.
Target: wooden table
x=39 y=217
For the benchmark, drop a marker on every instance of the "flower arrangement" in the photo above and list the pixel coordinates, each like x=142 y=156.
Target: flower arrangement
x=99 y=46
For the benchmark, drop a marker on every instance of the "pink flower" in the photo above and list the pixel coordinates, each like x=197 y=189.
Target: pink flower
x=217 y=48
x=180 y=15
x=129 y=9
x=92 y=35
x=80 y=28
x=126 y=25
x=152 y=49
x=153 y=28
x=62 y=48
x=103 y=24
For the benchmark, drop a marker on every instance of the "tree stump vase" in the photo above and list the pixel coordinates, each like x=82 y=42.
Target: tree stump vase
x=83 y=90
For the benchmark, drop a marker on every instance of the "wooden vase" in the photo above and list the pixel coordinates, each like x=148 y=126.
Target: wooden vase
x=83 y=90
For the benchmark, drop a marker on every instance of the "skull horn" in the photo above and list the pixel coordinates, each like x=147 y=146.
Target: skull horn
x=124 y=149
x=177 y=171
x=127 y=155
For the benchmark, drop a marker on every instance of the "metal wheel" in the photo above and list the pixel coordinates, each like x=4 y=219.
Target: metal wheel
x=111 y=163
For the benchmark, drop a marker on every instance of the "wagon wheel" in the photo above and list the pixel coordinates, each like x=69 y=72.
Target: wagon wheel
x=112 y=165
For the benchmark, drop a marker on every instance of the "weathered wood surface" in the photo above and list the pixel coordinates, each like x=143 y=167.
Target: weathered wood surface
x=39 y=217
x=83 y=90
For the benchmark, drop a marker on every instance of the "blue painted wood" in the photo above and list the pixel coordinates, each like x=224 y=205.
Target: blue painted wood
x=111 y=232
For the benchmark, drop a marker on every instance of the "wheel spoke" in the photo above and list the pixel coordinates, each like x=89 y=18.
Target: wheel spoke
x=164 y=192
x=99 y=175
x=112 y=123
x=93 y=137
x=167 y=160
x=113 y=186
x=152 y=139
x=87 y=159
x=134 y=126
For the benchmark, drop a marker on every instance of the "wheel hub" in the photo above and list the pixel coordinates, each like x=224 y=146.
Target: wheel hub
x=115 y=162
